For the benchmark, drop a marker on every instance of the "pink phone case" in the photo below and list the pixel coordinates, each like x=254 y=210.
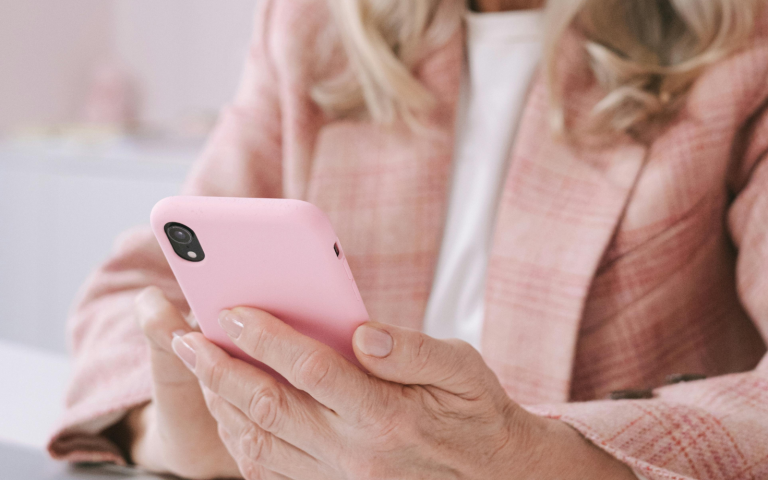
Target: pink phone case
x=273 y=254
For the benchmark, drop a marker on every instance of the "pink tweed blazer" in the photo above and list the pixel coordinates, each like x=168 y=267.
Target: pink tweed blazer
x=612 y=266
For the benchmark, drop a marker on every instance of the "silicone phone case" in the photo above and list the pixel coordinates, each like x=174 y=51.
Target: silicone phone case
x=274 y=254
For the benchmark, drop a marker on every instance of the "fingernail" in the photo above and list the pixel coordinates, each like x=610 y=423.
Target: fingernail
x=183 y=350
x=230 y=324
x=374 y=342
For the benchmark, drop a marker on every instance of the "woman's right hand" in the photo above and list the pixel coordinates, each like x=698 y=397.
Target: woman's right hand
x=174 y=433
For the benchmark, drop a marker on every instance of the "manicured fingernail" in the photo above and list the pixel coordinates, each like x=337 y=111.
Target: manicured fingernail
x=374 y=342
x=184 y=351
x=230 y=324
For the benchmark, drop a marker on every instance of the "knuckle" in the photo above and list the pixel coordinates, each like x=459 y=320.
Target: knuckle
x=469 y=360
x=314 y=371
x=254 y=444
x=265 y=407
x=250 y=470
x=142 y=298
x=464 y=349
x=213 y=376
x=150 y=318
x=260 y=338
x=421 y=354
x=468 y=363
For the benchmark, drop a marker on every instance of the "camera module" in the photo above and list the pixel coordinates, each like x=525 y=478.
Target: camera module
x=184 y=242
x=180 y=235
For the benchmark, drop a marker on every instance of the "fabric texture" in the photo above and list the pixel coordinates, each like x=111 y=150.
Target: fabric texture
x=612 y=266
x=503 y=50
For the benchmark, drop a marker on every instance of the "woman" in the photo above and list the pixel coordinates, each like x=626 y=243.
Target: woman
x=617 y=235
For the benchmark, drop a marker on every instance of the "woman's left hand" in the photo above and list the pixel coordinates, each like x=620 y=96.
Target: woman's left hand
x=428 y=409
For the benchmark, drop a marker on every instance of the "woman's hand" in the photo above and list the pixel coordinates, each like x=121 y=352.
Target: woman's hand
x=429 y=409
x=174 y=433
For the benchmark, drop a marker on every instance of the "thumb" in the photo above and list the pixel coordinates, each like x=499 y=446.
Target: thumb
x=410 y=357
x=161 y=321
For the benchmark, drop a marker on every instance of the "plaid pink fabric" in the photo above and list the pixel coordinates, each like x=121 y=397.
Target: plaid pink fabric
x=612 y=266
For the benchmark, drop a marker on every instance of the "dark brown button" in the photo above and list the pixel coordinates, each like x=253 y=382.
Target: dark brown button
x=631 y=394
x=684 y=377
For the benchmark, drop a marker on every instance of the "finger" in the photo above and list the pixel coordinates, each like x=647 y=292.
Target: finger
x=159 y=319
x=307 y=364
x=279 y=409
x=249 y=469
x=410 y=357
x=260 y=446
x=178 y=403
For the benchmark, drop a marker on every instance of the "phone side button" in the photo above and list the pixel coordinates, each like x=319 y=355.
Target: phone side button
x=349 y=271
x=357 y=292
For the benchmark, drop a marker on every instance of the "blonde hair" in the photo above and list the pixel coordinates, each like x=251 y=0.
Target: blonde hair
x=646 y=54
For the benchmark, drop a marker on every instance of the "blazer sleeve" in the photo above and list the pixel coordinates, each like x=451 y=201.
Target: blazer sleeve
x=709 y=429
x=110 y=358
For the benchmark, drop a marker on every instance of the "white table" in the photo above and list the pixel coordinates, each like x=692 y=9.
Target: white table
x=21 y=463
x=33 y=386
x=33 y=383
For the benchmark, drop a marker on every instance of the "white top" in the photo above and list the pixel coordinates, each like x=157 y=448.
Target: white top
x=503 y=53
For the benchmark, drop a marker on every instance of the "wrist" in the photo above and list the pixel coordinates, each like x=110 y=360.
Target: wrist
x=554 y=449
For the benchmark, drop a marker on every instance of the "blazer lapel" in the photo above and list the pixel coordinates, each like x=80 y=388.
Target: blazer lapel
x=560 y=207
x=385 y=190
x=386 y=193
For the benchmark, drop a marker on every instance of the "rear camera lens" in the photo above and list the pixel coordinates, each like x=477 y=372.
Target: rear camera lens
x=179 y=235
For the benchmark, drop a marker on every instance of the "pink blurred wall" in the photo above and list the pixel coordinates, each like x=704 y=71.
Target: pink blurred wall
x=46 y=47
x=186 y=55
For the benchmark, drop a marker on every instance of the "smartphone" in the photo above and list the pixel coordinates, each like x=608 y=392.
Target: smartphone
x=281 y=256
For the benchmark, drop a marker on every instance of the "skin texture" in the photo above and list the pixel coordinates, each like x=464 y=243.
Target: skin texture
x=428 y=409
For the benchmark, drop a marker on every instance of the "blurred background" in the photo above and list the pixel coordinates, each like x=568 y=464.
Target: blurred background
x=103 y=106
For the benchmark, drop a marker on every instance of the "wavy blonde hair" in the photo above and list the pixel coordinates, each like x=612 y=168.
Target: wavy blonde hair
x=645 y=53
